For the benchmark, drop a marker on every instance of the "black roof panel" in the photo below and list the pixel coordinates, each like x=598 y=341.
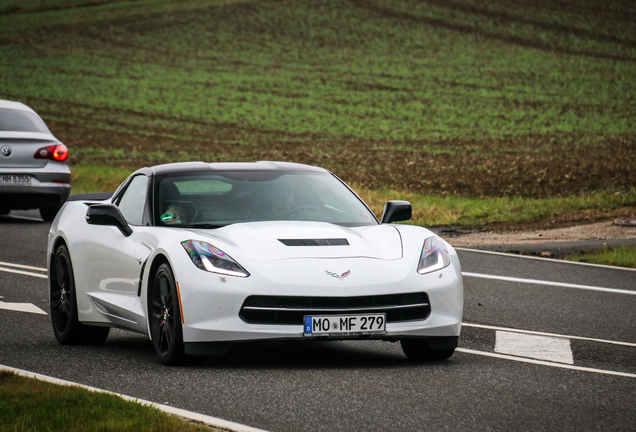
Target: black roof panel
x=181 y=167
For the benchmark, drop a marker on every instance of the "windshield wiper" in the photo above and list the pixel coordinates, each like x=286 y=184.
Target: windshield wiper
x=203 y=225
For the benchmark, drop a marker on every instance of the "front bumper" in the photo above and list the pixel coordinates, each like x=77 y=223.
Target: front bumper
x=212 y=303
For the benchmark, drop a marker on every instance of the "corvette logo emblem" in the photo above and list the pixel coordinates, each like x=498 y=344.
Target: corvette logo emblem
x=339 y=276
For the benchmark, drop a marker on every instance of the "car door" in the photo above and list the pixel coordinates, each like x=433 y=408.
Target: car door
x=113 y=262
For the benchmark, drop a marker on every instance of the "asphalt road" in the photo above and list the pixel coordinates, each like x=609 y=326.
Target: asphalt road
x=573 y=366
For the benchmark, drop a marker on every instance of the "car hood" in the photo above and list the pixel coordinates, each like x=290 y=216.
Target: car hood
x=273 y=241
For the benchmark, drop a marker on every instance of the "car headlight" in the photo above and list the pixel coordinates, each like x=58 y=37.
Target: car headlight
x=434 y=256
x=210 y=258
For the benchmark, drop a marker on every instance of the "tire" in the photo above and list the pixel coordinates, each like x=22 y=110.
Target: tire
x=48 y=213
x=63 y=301
x=165 y=318
x=429 y=349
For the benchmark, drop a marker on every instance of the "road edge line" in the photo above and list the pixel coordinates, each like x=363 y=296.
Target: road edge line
x=545 y=363
x=188 y=415
x=549 y=283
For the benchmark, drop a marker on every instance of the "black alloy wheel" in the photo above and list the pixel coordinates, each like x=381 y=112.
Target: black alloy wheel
x=165 y=317
x=63 y=301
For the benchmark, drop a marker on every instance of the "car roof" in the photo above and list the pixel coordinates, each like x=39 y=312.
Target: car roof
x=181 y=167
x=15 y=105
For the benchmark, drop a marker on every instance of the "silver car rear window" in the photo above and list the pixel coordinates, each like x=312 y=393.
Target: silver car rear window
x=21 y=121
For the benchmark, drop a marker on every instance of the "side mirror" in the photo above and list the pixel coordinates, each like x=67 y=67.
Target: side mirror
x=396 y=211
x=108 y=214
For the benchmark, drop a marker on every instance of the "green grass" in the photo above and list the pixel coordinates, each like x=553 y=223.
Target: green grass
x=495 y=101
x=95 y=178
x=431 y=210
x=31 y=405
x=399 y=70
x=614 y=256
x=323 y=67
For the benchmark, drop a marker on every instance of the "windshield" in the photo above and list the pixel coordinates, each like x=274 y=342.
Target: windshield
x=21 y=121
x=213 y=200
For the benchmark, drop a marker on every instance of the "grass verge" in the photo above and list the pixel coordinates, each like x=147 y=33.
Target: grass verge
x=614 y=256
x=454 y=210
x=31 y=405
x=93 y=178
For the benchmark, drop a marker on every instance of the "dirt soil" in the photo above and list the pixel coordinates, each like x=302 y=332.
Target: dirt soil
x=623 y=229
x=537 y=167
x=583 y=225
x=565 y=220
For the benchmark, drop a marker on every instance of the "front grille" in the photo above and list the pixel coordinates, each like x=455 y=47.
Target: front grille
x=292 y=310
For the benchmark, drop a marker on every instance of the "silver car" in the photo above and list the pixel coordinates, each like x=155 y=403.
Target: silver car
x=34 y=172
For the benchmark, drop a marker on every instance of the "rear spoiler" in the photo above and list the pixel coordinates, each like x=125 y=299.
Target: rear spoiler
x=99 y=196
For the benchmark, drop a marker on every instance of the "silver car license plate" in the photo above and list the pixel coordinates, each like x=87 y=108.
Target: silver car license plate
x=345 y=325
x=15 y=180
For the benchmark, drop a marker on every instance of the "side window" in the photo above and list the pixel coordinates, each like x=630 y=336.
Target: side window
x=133 y=200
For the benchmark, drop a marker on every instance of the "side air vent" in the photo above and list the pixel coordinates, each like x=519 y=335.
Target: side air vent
x=314 y=242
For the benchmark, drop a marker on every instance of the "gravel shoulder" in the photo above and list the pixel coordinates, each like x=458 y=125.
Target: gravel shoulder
x=547 y=242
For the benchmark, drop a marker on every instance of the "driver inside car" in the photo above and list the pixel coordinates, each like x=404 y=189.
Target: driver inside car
x=174 y=215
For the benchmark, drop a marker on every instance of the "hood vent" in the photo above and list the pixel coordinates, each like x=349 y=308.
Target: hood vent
x=314 y=242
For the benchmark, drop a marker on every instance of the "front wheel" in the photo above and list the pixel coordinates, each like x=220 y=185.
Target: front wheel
x=165 y=317
x=63 y=300
x=429 y=349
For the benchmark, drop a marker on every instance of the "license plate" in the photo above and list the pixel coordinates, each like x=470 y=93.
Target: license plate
x=345 y=325
x=14 y=179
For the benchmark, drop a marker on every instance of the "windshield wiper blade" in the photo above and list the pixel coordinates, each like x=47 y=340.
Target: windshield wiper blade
x=201 y=225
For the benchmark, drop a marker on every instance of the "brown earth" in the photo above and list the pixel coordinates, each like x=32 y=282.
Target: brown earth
x=562 y=221
x=531 y=166
x=595 y=231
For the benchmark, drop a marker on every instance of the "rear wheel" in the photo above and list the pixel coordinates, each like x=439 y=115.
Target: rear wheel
x=165 y=318
x=48 y=213
x=423 y=349
x=63 y=300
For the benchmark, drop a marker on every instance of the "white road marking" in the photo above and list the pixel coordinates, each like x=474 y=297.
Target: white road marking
x=532 y=346
x=10 y=270
x=22 y=307
x=551 y=283
x=22 y=266
x=545 y=259
x=549 y=334
x=545 y=363
x=208 y=420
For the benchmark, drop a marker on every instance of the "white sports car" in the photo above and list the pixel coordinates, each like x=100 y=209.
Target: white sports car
x=201 y=256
